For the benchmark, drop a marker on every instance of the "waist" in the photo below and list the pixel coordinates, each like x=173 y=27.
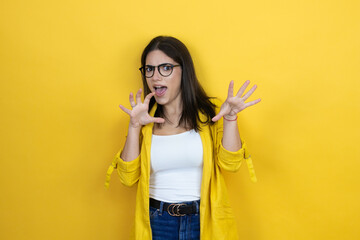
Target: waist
x=174 y=186
x=176 y=209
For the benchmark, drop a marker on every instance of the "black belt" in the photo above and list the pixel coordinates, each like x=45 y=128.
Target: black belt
x=175 y=209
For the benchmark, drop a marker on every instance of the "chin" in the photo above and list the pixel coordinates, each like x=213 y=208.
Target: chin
x=160 y=101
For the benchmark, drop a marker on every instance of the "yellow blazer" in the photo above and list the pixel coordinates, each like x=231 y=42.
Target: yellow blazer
x=217 y=220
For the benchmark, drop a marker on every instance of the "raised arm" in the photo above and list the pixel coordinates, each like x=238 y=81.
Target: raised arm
x=139 y=116
x=229 y=110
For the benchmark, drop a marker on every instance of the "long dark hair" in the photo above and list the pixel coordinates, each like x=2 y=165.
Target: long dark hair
x=193 y=95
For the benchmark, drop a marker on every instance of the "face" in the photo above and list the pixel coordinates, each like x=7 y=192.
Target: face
x=167 y=89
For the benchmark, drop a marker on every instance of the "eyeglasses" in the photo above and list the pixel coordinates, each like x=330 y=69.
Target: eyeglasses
x=164 y=69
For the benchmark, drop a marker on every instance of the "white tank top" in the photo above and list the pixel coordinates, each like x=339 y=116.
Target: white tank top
x=176 y=167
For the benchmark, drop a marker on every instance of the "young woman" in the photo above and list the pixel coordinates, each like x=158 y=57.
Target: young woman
x=179 y=141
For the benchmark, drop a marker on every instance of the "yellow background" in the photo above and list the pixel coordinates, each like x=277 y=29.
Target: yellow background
x=66 y=66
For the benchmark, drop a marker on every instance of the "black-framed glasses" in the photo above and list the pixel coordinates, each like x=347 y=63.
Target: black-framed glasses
x=164 y=69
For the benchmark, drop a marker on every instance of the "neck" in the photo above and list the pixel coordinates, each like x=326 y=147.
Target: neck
x=173 y=112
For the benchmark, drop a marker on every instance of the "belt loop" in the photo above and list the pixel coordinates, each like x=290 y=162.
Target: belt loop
x=197 y=207
x=161 y=208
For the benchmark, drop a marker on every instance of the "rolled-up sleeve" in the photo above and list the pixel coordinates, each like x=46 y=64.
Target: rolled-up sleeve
x=231 y=161
x=129 y=172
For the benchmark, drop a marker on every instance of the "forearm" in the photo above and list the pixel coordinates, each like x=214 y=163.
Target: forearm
x=231 y=137
x=132 y=148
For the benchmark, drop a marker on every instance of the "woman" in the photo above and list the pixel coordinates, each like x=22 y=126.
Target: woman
x=179 y=140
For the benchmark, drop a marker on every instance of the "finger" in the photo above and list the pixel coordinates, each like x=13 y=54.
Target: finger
x=148 y=97
x=157 y=120
x=242 y=89
x=218 y=116
x=125 y=109
x=252 y=103
x=231 y=89
x=138 y=96
x=248 y=94
x=131 y=99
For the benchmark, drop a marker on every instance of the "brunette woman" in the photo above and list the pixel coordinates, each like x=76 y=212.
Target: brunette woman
x=179 y=141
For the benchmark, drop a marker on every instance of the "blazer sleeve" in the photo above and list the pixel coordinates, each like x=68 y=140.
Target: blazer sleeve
x=228 y=160
x=129 y=172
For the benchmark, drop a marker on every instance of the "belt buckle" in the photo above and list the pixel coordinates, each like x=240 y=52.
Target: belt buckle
x=176 y=206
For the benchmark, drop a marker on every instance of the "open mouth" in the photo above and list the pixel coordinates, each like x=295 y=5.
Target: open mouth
x=160 y=90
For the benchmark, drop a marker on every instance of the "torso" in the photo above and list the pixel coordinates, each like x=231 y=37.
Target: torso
x=176 y=167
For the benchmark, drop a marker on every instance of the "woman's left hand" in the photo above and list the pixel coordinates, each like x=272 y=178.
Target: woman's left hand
x=235 y=104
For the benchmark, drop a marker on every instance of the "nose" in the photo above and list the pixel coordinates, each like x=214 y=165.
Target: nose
x=156 y=75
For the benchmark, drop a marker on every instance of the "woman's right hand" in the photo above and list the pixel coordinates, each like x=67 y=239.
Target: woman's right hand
x=139 y=115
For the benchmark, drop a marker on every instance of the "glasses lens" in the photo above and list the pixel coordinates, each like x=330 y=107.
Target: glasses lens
x=149 y=71
x=166 y=69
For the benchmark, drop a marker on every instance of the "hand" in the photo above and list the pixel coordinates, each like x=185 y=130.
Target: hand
x=139 y=115
x=235 y=104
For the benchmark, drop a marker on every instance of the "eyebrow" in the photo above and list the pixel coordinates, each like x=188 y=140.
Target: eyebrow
x=148 y=65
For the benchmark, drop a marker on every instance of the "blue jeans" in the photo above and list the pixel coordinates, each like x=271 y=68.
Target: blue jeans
x=167 y=227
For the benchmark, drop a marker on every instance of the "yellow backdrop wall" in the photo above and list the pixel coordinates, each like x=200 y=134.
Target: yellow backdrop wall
x=65 y=66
